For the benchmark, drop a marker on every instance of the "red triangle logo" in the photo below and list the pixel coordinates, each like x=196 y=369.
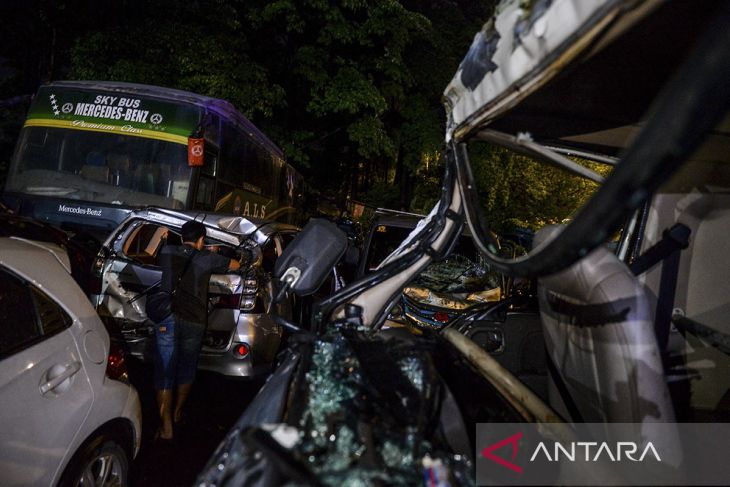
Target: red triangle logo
x=512 y=440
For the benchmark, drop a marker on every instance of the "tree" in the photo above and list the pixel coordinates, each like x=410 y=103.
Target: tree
x=516 y=191
x=342 y=66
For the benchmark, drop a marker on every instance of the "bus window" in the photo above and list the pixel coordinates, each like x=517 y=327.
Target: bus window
x=233 y=152
x=286 y=187
x=96 y=166
x=39 y=144
x=212 y=129
x=223 y=190
x=262 y=174
x=204 y=195
x=210 y=161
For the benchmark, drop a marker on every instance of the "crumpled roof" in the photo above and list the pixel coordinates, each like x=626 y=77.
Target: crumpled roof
x=509 y=55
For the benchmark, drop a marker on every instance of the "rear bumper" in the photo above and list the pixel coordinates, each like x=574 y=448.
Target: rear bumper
x=257 y=331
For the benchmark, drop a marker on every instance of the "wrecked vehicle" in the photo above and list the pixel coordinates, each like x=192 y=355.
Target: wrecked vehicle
x=463 y=275
x=446 y=289
x=462 y=292
x=639 y=336
x=241 y=339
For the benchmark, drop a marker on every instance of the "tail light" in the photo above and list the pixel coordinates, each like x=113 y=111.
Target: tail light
x=241 y=350
x=116 y=366
x=246 y=300
x=249 y=290
x=441 y=317
x=250 y=285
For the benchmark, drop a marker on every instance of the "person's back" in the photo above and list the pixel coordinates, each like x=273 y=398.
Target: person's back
x=186 y=271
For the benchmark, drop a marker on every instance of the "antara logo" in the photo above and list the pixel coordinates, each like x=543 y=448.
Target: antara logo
x=592 y=451
x=512 y=440
x=602 y=451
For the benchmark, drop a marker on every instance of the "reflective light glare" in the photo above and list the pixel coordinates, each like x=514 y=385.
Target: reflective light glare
x=250 y=286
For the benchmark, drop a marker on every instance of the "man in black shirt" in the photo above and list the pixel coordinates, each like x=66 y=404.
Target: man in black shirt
x=186 y=271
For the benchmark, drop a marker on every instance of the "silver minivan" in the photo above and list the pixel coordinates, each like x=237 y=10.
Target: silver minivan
x=241 y=339
x=68 y=414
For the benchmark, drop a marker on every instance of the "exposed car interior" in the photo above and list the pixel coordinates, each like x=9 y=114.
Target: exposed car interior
x=147 y=240
x=691 y=289
x=641 y=335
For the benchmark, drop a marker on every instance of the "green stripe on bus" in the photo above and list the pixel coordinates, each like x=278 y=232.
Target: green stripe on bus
x=107 y=128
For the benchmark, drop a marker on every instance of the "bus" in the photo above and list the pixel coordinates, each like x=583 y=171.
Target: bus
x=91 y=151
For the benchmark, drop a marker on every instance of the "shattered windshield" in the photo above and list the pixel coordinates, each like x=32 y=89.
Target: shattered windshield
x=459 y=273
x=369 y=412
x=463 y=271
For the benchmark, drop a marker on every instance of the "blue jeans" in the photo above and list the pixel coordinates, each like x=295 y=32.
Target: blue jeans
x=177 y=348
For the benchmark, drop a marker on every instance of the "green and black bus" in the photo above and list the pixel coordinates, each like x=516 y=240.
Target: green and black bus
x=90 y=151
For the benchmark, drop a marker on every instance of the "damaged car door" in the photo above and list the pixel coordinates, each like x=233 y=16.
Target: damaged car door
x=130 y=268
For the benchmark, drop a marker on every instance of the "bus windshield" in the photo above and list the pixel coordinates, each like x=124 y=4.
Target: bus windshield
x=89 y=142
x=100 y=167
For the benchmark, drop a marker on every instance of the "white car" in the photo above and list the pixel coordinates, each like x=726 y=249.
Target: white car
x=68 y=415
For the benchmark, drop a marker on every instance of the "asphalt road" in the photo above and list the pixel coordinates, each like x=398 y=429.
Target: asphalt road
x=215 y=403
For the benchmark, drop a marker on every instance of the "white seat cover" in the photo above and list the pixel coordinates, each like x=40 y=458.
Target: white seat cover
x=599 y=332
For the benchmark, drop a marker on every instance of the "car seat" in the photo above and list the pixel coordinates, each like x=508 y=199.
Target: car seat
x=602 y=352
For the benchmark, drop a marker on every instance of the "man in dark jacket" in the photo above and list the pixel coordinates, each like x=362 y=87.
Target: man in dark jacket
x=186 y=271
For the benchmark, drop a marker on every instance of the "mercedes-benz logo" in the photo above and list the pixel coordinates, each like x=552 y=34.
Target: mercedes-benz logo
x=156 y=118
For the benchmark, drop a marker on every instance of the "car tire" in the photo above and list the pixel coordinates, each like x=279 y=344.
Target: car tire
x=100 y=462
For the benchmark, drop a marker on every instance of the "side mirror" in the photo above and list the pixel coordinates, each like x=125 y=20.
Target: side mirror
x=310 y=257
